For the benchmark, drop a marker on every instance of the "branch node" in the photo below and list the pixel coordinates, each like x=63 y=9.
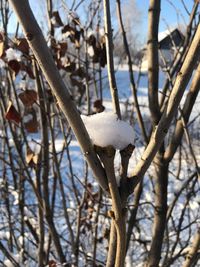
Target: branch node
x=29 y=36
x=111 y=214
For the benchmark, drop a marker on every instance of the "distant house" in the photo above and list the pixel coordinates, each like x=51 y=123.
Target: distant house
x=169 y=42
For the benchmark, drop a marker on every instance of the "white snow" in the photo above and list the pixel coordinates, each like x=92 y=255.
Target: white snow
x=106 y=129
x=163 y=34
x=54 y=22
x=90 y=32
x=4 y=235
x=2 y=64
x=90 y=51
x=12 y=54
x=27 y=118
x=102 y=31
x=16 y=257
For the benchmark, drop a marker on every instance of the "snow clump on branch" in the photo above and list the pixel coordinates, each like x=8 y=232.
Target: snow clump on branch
x=106 y=129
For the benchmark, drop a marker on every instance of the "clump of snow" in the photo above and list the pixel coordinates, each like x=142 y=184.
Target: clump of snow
x=106 y=129
x=102 y=31
x=4 y=235
x=2 y=63
x=27 y=118
x=12 y=54
x=90 y=51
x=90 y=32
x=53 y=21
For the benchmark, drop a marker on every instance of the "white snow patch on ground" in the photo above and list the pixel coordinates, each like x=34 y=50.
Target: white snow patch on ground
x=106 y=129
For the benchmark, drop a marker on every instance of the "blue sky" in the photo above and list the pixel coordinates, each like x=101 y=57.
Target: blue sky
x=169 y=17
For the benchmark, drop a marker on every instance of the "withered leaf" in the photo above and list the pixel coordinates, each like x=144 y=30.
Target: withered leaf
x=31 y=157
x=80 y=72
x=69 y=30
x=52 y=263
x=22 y=45
x=70 y=67
x=28 y=97
x=98 y=107
x=62 y=48
x=14 y=66
x=2 y=49
x=28 y=70
x=56 y=20
x=1 y=36
x=31 y=126
x=12 y=114
x=77 y=38
x=66 y=28
x=91 y=40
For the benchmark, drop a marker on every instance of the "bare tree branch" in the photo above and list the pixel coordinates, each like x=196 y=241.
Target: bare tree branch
x=153 y=61
x=131 y=76
x=191 y=255
x=109 y=54
x=186 y=111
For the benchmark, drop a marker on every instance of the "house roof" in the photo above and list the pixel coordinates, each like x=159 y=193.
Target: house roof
x=163 y=34
x=170 y=37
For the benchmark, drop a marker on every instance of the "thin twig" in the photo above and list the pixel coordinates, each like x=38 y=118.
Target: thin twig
x=110 y=63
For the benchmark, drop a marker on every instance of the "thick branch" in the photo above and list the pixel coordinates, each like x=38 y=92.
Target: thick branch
x=51 y=73
x=187 y=109
x=190 y=258
x=161 y=182
x=110 y=262
x=153 y=62
x=118 y=213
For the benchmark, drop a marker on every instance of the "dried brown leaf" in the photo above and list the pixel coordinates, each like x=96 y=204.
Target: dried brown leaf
x=52 y=263
x=31 y=126
x=2 y=49
x=56 y=20
x=22 y=45
x=28 y=97
x=31 y=157
x=15 y=66
x=12 y=114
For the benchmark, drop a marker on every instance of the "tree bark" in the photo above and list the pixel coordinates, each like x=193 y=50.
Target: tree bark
x=161 y=182
x=153 y=60
x=191 y=255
